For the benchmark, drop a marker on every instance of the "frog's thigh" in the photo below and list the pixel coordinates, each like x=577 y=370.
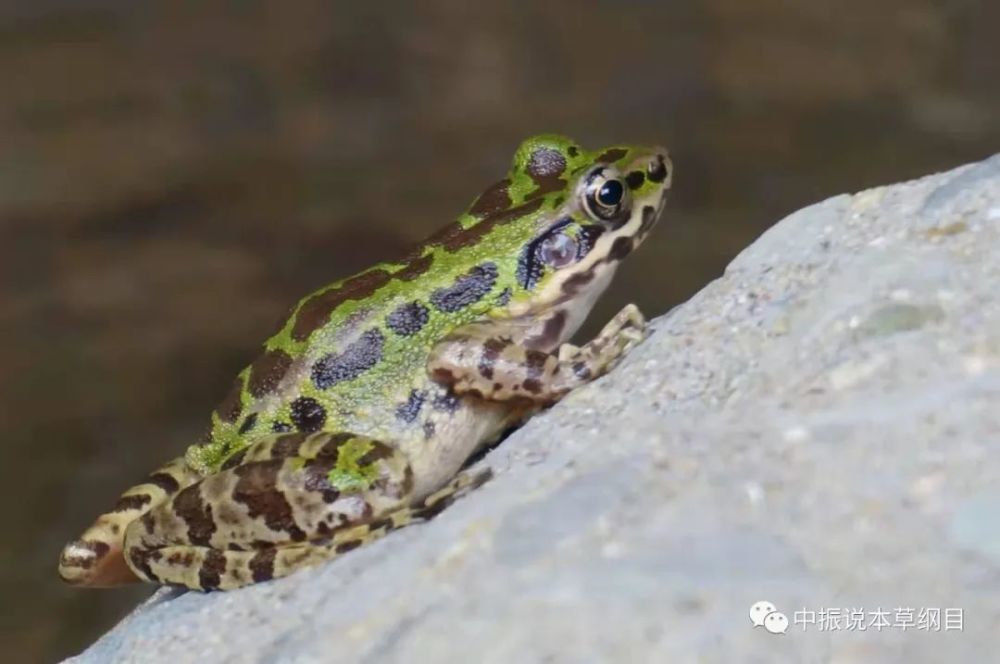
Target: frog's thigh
x=375 y=512
x=483 y=360
x=333 y=482
x=96 y=559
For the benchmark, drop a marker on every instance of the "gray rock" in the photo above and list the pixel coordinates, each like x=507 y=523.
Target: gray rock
x=817 y=428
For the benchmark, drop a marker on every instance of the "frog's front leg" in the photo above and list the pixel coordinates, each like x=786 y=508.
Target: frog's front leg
x=282 y=504
x=488 y=360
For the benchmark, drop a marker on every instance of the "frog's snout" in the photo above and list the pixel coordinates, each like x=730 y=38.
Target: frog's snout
x=659 y=168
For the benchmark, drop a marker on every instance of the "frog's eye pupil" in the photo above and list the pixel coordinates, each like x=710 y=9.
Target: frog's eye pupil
x=605 y=197
x=610 y=194
x=557 y=250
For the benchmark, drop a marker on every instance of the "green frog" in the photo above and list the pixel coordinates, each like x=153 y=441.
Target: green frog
x=361 y=411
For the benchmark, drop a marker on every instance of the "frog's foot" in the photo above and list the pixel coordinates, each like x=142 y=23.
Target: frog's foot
x=280 y=505
x=96 y=558
x=475 y=362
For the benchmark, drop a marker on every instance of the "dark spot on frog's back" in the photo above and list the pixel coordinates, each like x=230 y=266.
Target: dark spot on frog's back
x=493 y=200
x=230 y=408
x=545 y=166
x=360 y=356
x=468 y=289
x=408 y=319
x=248 y=424
x=414 y=268
x=546 y=162
x=455 y=236
x=612 y=155
x=410 y=409
x=315 y=311
x=307 y=414
x=504 y=297
x=267 y=371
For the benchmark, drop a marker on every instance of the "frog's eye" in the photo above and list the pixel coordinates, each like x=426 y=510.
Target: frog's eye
x=557 y=250
x=605 y=196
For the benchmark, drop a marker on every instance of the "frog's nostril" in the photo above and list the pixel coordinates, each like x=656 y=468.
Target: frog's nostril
x=656 y=170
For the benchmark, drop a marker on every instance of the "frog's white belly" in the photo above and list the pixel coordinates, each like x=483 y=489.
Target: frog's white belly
x=475 y=424
x=458 y=428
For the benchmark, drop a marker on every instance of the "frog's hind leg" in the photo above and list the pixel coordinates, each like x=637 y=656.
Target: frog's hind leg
x=291 y=558
x=297 y=517
x=96 y=558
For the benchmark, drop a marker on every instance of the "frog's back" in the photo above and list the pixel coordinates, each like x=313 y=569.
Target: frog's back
x=353 y=354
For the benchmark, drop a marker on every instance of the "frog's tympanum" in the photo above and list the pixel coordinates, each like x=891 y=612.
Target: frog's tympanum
x=360 y=412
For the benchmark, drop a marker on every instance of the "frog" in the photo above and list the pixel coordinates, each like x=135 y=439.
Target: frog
x=361 y=413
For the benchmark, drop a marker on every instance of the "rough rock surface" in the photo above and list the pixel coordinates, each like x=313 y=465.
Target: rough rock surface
x=817 y=428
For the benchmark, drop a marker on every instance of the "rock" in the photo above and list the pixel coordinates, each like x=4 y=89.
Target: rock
x=815 y=429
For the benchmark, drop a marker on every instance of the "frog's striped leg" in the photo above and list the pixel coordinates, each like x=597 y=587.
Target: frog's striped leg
x=281 y=505
x=210 y=568
x=96 y=558
x=482 y=360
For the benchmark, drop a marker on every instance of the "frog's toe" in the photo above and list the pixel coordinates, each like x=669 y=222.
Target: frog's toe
x=95 y=564
x=96 y=559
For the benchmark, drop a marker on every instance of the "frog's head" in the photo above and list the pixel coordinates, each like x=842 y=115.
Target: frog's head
x=570 y=217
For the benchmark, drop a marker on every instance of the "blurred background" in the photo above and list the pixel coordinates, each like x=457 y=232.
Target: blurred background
x=175 y=175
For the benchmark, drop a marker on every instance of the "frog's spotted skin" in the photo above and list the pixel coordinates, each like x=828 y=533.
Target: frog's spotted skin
x=361 y=410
